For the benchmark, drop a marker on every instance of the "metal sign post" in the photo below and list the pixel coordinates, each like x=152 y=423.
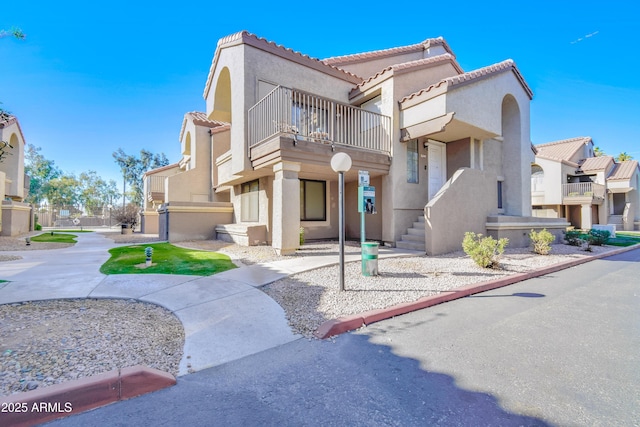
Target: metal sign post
x=369 y=251
x=363 y=181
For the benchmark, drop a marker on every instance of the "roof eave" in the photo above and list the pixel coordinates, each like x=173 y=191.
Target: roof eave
x=244 y=37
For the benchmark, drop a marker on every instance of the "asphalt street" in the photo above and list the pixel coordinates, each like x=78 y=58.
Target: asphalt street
x=562 y=349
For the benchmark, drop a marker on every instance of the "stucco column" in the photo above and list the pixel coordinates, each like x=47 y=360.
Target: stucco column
x=587 y=221
x=286 y=208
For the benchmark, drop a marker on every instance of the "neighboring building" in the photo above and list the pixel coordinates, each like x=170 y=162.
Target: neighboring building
x=569 y=181
x=447 y=151
x=14 y=184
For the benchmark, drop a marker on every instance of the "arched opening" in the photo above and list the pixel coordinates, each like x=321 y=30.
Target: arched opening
x=512 y=161
x=537 y=179
x=222 y=101
x=186 y=149
x=11 y=162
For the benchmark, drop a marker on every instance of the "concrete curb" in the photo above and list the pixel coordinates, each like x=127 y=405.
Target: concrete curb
x=73 y=397
x=349 y=323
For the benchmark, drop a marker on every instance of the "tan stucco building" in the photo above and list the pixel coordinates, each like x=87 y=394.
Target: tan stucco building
x=447 y=151
x=569 y=181
x=14 y=184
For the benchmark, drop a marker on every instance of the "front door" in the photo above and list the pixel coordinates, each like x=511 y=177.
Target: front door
x=437 y=167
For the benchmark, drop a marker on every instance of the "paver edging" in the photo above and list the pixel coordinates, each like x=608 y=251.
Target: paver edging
x=73 y=397
x=349 y=323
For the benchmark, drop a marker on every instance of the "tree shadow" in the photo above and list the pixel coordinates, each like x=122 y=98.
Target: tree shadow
x=346 y=381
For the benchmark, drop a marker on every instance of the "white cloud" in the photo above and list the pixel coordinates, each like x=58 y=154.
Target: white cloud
x=585 y=37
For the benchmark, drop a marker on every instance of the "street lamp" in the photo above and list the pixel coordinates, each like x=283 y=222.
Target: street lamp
x=341 y=163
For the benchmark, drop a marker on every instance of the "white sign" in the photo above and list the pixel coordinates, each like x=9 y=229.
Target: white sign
x=363 y=178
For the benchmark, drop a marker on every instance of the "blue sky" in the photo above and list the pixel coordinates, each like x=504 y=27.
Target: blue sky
x=95 y=76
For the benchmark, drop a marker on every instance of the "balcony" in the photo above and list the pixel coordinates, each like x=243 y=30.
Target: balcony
x=307 y=117
x=155 y=189
x=578 y=193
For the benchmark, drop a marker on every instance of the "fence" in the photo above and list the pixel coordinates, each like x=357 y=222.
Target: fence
x=72 y=216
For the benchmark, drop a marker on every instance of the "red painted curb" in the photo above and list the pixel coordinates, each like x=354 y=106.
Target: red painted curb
x=349 y=323
x=73 y=397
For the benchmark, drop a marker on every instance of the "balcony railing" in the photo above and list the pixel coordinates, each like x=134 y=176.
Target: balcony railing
x=293 y=112
x=155 y=188
x=583 y=189
x=155 y=184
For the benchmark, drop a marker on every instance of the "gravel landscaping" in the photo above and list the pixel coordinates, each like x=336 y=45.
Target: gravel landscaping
x=44 y=343
x=50 y=342
x=313 y=297
x=18 y=243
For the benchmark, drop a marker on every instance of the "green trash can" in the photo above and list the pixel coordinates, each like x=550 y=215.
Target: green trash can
x=369 y=259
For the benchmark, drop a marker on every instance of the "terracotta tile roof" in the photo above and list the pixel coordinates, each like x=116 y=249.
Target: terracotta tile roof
x=562 y=150
x=624 y=170
x=406 y=67
x=471 y=77
x=200 y=119
x=366 y=56
x=7 y=120
x=160 y=169
x=594 y=164
x=269 y=46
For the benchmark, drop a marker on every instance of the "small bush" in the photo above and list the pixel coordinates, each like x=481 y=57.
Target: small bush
x=598 y=237
x=484 y=251
x=301 y=236
x=128 y=215
x=572 y=237
x=37 y=227
x=541 y=241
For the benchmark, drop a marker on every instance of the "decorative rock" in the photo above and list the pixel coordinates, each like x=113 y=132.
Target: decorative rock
x=113 y=334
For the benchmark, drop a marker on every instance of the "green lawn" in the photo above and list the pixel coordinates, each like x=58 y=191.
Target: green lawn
x=167 y=259
x=625 y=238
x=55 y=237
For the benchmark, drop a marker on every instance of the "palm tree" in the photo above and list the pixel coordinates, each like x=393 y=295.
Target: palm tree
x=624 y=156
x=597 y=151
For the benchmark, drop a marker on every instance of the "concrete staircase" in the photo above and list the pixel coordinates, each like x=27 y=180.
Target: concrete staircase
x=414 y=239
x=617 y=221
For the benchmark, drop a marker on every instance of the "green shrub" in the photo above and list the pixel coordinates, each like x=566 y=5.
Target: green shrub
x=37 y=227
x=301 y=236
x=484 y=251
x=541 y=241
x=598 y=237
x=573 y=237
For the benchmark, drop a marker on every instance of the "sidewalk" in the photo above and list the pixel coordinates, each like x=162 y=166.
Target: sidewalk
x=225 y=316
